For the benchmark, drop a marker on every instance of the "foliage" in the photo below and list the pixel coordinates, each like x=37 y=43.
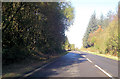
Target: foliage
x=67 y=44
x=29 y=28
x=72 y=46
x=105 y=38
x=92 y=26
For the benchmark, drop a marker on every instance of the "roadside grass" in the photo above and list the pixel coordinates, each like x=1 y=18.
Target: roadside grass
x=26 y=66
x=103 y=55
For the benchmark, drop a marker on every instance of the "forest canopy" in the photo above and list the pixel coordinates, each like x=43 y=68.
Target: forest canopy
x=30 y=28
x=102 y=34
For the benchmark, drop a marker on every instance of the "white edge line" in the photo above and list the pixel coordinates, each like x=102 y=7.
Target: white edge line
x=36 y=70
x=84 y=56
x=89 y=60
x=104 y=72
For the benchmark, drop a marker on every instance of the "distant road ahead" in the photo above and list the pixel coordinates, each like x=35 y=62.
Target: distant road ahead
x=79 y=64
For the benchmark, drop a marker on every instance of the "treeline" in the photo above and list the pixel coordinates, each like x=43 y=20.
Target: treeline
x=102 y=34
x=69 y=46
x=34 y=29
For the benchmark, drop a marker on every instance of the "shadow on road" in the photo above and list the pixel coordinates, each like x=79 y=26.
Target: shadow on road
x=64 y=63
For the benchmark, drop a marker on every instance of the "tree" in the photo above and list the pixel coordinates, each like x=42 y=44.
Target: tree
x=67 y=44
x=101 y=21
x=105 y=39
x=92 y=26
x=72 y=46
x=30 y=28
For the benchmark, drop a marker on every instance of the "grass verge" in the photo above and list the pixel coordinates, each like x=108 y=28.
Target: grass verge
x=95 y=52
x=26 y=66
x=103 y=55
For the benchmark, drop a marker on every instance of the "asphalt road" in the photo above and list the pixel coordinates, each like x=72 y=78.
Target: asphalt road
x=79 y=64
x=109 y=65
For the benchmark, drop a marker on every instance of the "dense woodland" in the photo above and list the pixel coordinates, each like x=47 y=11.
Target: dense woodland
x=69 y=46
x=34 y=29
x=102 y=34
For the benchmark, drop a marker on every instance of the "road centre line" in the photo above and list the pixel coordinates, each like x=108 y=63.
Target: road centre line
x=89 y=60
x=26 y=75
x=104 y=71
x=84 y=56
x=101 y=69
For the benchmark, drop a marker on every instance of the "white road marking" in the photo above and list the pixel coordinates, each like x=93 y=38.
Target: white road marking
x=26 y=75
x=104 y=71
x=101 y=69
x=89 y=60
x=84 y=56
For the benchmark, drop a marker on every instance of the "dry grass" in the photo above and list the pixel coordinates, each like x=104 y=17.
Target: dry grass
x=26 y=66
x=97 y=53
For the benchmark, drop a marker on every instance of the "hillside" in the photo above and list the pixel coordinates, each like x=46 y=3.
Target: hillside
x=104 y=39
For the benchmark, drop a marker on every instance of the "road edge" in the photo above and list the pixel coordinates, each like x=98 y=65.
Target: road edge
x=39 y=68
x=100 y=55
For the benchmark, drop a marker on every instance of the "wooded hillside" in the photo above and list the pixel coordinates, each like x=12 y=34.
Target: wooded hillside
x=34 y=29
x=102 y=34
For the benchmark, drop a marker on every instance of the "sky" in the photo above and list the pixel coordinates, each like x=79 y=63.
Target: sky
x=83 y=9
